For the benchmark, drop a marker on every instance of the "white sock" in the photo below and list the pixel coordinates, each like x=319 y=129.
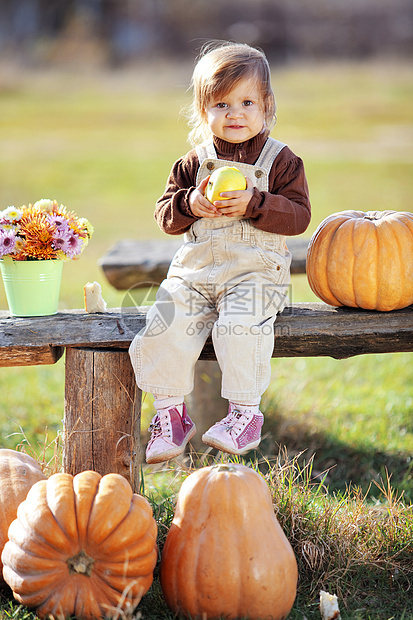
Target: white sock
x=251 y=408
x=162 y=402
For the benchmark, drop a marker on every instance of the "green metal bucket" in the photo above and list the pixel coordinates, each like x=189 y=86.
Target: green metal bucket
x=32 y=287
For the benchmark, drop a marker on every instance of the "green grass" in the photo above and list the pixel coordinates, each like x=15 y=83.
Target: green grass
x=343 y=544
x=103 y=144
x=361 y=551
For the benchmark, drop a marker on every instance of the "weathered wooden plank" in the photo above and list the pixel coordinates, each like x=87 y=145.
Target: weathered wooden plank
x=136 y=448
x=114 y=328
x=301 y=330
x=131 y=262
x=315 y=330
x=30 y=356
x=102 y=413
x=205 y=401
x=78 y=414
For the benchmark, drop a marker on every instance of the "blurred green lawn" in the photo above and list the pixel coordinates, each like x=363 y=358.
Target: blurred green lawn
x=103 y=145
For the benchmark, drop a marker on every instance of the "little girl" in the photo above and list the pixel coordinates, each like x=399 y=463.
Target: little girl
x=230 y=276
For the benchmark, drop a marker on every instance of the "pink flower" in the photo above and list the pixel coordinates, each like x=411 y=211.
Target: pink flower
x=7 y=242
x=60 y=222
x=74 y=246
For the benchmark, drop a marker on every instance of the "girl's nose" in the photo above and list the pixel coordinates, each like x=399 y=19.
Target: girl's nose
x=234 y=112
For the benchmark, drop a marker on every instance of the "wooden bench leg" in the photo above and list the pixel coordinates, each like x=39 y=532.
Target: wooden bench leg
x=205 y=403
x=102 y=414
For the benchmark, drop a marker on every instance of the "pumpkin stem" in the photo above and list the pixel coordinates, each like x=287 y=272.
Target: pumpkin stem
x=80 y=564
x=224 y=467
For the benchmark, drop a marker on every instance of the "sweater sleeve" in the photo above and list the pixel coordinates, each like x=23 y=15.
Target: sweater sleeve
x=286 y=208
x=172 y=211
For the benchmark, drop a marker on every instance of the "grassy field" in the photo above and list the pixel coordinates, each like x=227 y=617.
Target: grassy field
x=103 y=144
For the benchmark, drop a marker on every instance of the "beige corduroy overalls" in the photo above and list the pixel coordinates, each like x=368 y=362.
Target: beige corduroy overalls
x=230 y=279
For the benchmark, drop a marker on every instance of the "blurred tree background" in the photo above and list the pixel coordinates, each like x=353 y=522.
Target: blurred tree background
x=113 y=32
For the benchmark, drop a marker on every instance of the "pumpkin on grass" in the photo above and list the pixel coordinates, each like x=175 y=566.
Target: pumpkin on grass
x=363 y=260
x=225 y=553
x=82 y=545
x=18 y=473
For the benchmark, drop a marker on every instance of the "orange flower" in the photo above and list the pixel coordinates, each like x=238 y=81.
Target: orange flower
x=38 y=233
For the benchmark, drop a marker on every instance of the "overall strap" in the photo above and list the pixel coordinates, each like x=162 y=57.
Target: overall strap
x=267 y=156
x=205 y=151
x=269 y=152
x=259 y=172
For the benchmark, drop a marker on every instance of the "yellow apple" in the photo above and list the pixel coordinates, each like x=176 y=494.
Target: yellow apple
x=224 y=179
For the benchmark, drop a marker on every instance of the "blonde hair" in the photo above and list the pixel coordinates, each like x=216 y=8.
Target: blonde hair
x=219 y=68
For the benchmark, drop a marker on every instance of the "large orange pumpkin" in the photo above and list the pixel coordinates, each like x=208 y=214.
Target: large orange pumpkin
x=18 y=473
x=81 y=546
x=363 y=260
x=225 y=553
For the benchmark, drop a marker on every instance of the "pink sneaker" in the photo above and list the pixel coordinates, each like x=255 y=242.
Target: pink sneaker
x=237 y=433
x=170 y=432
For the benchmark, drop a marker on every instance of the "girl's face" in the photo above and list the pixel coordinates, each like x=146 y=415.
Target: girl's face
x=239 y=115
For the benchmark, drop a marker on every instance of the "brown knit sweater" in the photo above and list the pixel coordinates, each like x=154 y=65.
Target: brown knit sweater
x=284 y=210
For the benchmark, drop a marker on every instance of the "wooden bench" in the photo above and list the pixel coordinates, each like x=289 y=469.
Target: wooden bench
x=102 y=402
x=130 y=262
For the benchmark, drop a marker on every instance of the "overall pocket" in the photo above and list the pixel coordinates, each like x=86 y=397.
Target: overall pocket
x=276 y=262
x=193 y=255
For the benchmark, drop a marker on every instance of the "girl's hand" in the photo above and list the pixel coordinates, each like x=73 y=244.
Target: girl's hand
x=237 y=201
x=199 y=205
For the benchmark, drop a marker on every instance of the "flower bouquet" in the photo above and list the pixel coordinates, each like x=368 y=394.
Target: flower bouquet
x=35 y=240
x=42 y=231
